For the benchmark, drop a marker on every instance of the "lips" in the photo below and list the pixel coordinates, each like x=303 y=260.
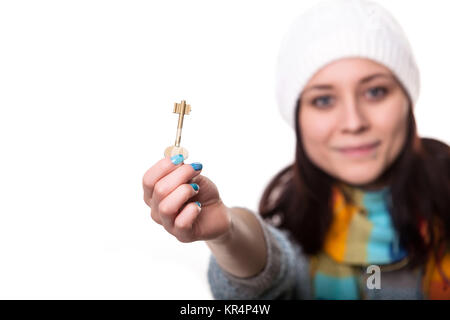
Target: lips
x=359 y=150
x=360 y=147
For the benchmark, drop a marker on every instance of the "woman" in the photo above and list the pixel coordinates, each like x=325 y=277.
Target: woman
x=364 y=212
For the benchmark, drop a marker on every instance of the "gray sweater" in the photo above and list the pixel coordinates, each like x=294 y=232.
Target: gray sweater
x=286 y=275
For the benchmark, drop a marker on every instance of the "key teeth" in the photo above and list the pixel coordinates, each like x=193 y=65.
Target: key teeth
x=177 y=108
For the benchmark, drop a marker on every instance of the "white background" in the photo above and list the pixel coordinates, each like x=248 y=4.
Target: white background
x=86 y=96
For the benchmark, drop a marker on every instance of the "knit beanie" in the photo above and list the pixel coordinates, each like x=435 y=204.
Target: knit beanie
x=334 y=29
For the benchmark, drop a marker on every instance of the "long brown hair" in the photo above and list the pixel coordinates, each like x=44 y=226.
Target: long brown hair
x=298 y=198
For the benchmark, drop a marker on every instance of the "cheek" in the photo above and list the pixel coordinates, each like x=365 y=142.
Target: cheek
x=316 y=131
x=391 y=126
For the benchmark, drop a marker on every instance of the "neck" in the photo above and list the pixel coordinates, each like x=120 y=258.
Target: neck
x=369 y=187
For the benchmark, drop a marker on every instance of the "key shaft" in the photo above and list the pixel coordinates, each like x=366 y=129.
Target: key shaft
x=182 y=109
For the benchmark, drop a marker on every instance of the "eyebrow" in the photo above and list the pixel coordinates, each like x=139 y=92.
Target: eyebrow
x=363 y=80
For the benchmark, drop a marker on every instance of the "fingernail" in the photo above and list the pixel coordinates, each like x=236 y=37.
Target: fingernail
x=197 y=166
x=198 y=203
x=195 y=186
x=177 y=159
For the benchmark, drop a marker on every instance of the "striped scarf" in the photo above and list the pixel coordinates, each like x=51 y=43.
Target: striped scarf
x=362 y=234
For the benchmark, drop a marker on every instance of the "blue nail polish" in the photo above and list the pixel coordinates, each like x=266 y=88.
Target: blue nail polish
x=195 y=186
x=197 y=166
x=198 y=203
x=177 y=159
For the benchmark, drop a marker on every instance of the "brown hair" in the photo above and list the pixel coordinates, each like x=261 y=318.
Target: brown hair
x=298 y=198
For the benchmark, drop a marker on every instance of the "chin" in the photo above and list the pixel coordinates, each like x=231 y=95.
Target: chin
x=359 y=176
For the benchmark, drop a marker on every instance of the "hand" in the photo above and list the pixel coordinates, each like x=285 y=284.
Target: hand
x=167 y=191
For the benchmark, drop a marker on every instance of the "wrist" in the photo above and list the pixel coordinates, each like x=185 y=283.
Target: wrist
x=227 y=236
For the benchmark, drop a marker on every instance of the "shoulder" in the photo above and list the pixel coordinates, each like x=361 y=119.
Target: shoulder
x=436 y=157
x=436 y=149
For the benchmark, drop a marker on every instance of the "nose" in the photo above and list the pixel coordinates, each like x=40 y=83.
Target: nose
x=353 y=118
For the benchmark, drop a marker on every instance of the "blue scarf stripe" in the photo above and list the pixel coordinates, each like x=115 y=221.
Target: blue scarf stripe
x=332 y=288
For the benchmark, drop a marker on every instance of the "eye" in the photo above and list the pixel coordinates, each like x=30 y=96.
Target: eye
x=322 y=101
x=377 y=92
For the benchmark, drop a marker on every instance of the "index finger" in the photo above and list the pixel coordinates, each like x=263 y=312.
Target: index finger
x=159 y=170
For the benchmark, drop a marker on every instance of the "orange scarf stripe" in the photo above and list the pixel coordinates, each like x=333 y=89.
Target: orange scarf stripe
x=336 y=239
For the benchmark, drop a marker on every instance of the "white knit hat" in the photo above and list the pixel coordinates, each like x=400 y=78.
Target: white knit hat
x=334 y=29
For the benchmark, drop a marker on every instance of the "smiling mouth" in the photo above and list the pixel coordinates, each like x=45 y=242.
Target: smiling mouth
x=360 y=150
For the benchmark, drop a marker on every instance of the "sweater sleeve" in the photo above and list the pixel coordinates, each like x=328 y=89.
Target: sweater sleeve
x=276 y=281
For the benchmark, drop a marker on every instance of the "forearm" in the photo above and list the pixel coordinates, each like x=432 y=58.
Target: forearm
x=242 y=252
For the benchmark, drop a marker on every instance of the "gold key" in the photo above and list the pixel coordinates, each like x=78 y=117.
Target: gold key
x=182 y=109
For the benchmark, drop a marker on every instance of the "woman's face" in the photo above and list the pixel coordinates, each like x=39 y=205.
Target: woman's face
x=353 y=119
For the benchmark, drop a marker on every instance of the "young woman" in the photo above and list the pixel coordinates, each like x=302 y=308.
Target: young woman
x=364 y=211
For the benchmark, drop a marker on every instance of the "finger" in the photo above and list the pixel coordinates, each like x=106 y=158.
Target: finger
x=155 y=216
x=183 y=224
x=177 y=198
x=171 y=205
x=157 y=171
x=170 y=182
